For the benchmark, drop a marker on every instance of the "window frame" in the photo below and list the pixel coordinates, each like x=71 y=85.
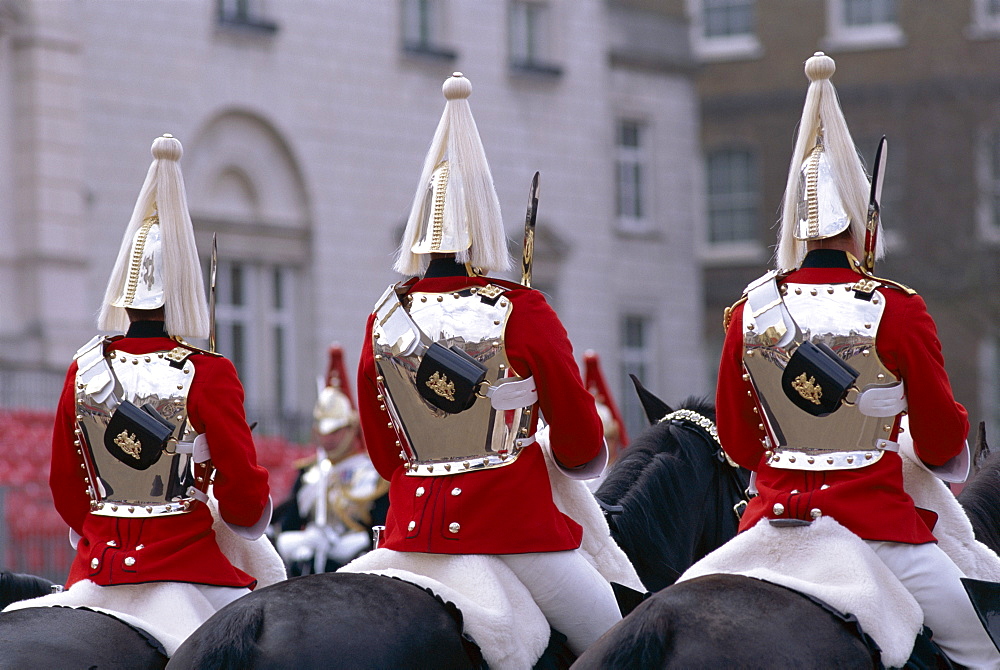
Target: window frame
x=269 y=380
x=984 y=24
x=244 y=15
x=841 y=36
x=639 y=221
x=987 y=162
x=722 y=47
x=432 y=17
x=637 y=360
x=535 y=54
x=988 y=360
x=744 y=247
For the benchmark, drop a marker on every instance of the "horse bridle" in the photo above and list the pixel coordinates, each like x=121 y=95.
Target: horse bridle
x=707 y=426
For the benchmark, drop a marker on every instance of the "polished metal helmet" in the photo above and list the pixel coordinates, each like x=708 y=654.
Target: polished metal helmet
x=143 y=287
x=334 y=409
x=157 y=264
x=827 y=188
x=455 y=209
x=820 y=213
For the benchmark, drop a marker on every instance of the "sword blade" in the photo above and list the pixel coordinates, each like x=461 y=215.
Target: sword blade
x=213 y=271
x=528 y=252
x=874 y=202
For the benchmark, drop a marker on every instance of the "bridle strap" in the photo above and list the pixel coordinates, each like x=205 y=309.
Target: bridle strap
x=707 y=427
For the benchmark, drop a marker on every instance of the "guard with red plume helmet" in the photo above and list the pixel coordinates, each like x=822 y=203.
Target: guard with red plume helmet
x=822 y=361
x=338 y=496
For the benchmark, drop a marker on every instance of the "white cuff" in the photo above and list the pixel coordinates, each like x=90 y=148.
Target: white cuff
x=256 y=530
x=956 y=470
x=74 y=538
x=592 y=469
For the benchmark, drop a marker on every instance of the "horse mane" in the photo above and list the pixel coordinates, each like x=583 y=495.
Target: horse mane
x=980 y=494
x=666 y=485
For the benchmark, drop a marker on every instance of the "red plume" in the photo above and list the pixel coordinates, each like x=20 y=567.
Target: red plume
x=336 y=375
x=593 y=379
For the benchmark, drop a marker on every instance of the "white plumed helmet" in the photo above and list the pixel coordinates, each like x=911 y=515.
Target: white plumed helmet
x=456 y=209
x=157 y=263
x=827 y=189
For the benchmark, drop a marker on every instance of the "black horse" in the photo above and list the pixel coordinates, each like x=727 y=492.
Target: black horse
x=16 y=586
x=63 y=637
x=672 y=488
x=741 y=622
x=672 y=497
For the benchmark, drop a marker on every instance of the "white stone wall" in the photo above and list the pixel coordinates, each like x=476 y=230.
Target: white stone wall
x=336 y=120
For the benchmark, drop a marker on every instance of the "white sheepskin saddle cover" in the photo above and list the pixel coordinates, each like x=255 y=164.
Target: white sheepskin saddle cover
x=827 y=561
x=171 y=611
x=497 y=609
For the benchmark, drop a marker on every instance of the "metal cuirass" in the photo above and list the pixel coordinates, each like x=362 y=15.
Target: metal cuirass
x=845 y=439
x=161 y=379
x=431 y=441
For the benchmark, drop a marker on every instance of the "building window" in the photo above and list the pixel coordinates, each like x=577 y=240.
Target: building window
x=988 y=178
x=255 y=317
x=423 y=24
x=989 y=380
x=862 y=24
x=631 y=173
x=531 y=37
x=985 y=19
x=733 y=197
x=245 y=15
x=726 y=18
x=859 y=13
x=636 y=359
x=724 y=29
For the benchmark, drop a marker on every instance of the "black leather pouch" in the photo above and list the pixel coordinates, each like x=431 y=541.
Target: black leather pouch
x=816 y=379
x=136 y=436
x=449 y=378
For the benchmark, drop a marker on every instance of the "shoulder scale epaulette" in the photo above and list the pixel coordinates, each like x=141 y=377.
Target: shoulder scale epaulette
x=727 y=313
x=866 y=285
x=197 y=350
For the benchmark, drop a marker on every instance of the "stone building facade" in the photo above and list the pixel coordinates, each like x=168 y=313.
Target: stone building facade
x=922 y=73
x=304 y=124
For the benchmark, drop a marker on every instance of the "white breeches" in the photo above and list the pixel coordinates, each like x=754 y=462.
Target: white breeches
x=933 y=580
x=575 y=599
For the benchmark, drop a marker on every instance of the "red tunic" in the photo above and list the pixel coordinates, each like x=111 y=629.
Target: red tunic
x=869 y=501
x=507 y=510
x=178 y=548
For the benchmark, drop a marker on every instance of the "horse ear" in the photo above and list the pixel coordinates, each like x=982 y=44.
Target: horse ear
x=982 y=450
x=655 y=408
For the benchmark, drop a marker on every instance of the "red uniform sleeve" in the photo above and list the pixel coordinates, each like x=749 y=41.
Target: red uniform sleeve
x=380 y=438
x=66 y=477
x=736 y=420
x=215 y=408
x=537 y=344
x=908 y=345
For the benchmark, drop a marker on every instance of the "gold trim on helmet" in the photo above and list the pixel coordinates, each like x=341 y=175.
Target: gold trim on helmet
x=821 y=211
x=144 y=284
x=440 y=232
